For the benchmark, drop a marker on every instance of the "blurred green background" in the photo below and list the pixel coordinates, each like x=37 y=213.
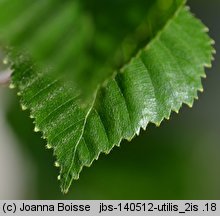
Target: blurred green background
x=178 y=160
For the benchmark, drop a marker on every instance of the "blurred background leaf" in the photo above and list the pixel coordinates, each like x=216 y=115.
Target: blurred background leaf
x=84 y=41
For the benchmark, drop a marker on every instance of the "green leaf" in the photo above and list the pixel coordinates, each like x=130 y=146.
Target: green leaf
x=81 y=38
x=161 y=77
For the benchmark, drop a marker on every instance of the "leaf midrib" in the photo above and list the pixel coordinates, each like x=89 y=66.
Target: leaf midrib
x=105 y=83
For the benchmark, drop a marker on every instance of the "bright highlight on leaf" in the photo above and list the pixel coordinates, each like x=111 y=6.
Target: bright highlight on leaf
x=162 y=76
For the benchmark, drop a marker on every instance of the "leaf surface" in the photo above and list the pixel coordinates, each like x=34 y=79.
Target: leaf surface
x=161 y=77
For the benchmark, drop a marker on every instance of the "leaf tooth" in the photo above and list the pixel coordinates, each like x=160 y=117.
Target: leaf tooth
x=12 y=86
x=212 y=42
x=158 y=124
x=31 y=116
x=56 y=164
x=206 y=29
x=48 y=146
x=23 y=107
x=213 y=52
x=58 y=177
x=204 y=75
x=201 y=89
x=142 y=124
x=138 y=131
x=190 y=104
x=5 y=61
x=207 y=65
x=36 y=129
x=176 y=111
x=187 y=8
x=167 y=117
x=130 y=138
